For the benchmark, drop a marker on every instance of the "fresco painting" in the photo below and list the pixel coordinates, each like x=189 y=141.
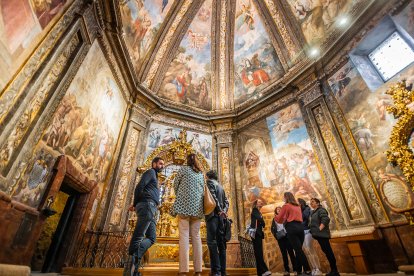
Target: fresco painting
x=406 y=18
x=256 y=63
x=47 y=9
x=188 y=78
x=288 y=164
x=22 y=24
x=370 y=123
x=317 y=17
x=141 y=22
x=85 y=127
x=160 y=135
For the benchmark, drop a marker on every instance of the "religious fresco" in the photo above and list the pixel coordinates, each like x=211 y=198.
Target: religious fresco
x=317 y=18
x=22 y=24
x=160 y=135
x=370 y=123
x=256 y=63
x=282 y=160
x=85 y=127
x=188 y=79
x=406 y=18
x=141 y=22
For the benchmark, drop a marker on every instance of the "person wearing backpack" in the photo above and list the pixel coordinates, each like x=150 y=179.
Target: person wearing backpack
x=279 y=232
x=217 y=225
x=319 y=228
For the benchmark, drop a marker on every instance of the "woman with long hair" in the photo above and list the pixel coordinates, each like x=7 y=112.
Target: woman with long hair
x=291 y=216
x=257 y=222
x=188 y=205
x=308 y=242
x=279 y=232
x=319 y=227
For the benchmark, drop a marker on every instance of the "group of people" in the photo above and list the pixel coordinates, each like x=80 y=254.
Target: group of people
x=189 y=208
x=295 y=225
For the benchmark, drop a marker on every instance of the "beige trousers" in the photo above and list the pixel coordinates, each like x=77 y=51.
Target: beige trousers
x=187 y=226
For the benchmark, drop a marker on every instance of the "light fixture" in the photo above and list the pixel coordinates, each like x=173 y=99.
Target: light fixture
x=342 y=21
x=314 y=52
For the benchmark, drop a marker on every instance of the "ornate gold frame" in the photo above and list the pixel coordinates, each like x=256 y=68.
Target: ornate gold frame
x=400 y=153
x=403 y=109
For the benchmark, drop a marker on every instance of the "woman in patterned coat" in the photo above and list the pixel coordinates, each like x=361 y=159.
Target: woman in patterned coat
x=188 y=205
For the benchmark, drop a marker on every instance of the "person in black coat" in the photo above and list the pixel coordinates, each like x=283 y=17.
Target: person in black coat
x=319 y=227
x=257 y=221
x=215 y=223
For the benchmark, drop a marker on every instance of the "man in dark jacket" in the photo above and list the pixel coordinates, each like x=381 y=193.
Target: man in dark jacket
x=216 y=222
x=146 y=200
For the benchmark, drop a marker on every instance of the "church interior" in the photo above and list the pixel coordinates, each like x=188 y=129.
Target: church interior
x=313 y=97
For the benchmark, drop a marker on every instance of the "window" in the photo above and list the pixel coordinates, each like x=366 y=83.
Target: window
x=391 y=56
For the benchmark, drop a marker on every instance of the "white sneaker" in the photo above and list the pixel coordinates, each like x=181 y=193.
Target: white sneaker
x=316 y=272
x=267 y=273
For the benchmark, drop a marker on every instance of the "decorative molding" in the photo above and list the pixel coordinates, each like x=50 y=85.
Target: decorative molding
x=180 y=123
x=267 y=110
x=353 y=232
x=356 y=159
x=224 y=138
x=341 y=221
x=349 y=195
x=124 y=179
x=277 y=16
x=222 y=58
x=312 y=94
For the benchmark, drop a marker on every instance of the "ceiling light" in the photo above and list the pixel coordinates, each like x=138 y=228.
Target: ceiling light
x=342 y=21
x=314 y=52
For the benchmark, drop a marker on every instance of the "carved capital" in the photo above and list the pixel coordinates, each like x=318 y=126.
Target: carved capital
x=311 y=94
x=224 y=137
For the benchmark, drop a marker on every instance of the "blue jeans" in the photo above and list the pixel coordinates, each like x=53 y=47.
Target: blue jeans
x=144 y=235
x=216 y=245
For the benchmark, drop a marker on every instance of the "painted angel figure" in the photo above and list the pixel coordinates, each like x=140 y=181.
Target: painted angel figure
x=198 y=40
x=245 y=16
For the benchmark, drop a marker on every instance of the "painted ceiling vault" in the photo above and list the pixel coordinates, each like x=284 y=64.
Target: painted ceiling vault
x=208 y=56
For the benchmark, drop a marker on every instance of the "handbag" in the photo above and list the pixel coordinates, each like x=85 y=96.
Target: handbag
x=281 y=234
x=209 y=202
x=252 y=231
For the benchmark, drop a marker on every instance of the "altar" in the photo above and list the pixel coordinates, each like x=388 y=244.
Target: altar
x=165 y=250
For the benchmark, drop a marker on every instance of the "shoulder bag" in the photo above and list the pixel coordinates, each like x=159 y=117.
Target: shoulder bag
x=209 y=202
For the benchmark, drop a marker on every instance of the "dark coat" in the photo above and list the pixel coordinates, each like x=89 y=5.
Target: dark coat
x=217 y=191
x=256 y=216
x=320 y=216
x=147 y=188
x=306 y=212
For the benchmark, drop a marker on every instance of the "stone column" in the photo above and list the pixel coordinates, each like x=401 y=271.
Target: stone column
x=225 y=162
x=351 y=210
x=125 y=176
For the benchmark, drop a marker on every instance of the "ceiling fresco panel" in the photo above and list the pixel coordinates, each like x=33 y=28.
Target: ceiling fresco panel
x=141 y=22
x=318 y=18
x=188 y=78
x=256 y=63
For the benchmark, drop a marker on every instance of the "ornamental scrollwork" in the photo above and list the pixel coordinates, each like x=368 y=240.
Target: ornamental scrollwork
x=400 y=152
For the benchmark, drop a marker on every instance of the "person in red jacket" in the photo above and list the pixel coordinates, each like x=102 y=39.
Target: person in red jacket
x=291 y=216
